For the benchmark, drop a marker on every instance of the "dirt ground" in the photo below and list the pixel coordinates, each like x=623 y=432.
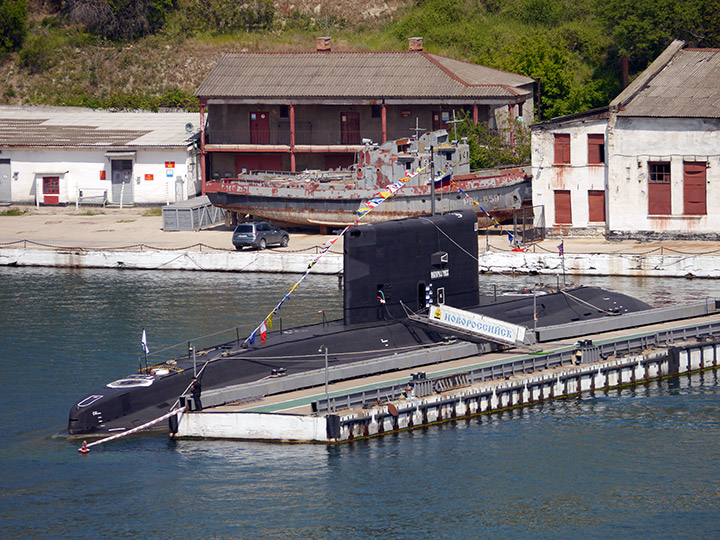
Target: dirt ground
x=137 y=228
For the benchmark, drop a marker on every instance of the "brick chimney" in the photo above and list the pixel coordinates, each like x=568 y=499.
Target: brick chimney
x=323 y=44
x=415 y=44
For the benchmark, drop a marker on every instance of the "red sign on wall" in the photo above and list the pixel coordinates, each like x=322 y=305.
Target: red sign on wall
x=102 y=175
x=169 y=164
x=149 y=177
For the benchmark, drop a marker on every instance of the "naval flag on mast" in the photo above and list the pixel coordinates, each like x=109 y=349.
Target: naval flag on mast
x=143 y=342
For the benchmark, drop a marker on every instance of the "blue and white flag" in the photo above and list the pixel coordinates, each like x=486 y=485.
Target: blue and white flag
x=143 y=343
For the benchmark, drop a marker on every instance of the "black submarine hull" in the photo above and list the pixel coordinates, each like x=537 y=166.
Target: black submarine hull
x=390 y=268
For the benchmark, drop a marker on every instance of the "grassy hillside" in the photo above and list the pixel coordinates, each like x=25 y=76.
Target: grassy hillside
x=72 y=55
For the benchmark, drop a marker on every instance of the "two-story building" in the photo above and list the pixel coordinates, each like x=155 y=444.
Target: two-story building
x=646 y=165
x=312 y=110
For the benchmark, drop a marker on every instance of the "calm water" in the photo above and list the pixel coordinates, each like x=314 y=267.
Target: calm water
x=642 y=463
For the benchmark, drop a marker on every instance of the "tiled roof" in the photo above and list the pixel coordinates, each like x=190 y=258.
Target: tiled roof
x=682 y=83
x=356 y=75
x=77 y=127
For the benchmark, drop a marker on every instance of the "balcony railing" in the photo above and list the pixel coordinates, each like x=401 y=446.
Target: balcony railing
x=302 y=137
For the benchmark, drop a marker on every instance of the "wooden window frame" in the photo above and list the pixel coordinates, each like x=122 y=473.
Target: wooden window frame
x=562 y=149
x=596 y=149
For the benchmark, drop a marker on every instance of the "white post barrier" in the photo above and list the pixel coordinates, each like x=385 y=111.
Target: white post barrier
x=85 y=448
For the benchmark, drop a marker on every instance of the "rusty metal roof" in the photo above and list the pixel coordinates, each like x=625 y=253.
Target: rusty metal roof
x=357 y=75
x=78 y=127
x=681 y=83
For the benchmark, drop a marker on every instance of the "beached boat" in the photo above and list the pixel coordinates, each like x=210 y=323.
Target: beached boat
x=327 y=199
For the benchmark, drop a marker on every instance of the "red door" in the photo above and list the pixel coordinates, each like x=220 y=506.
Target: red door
x=260 y=127
x=440 y=120
x=563 y=207
x=338 y=161
x=51 y=190
x=350 y=128
x=596 y=202
x=257 y=162
x=694 y=191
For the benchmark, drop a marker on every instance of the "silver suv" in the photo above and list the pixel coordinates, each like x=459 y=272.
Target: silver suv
x=259 y=235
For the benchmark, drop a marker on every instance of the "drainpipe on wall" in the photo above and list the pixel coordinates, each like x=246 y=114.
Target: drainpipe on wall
x=511 y=117
x=383 y=114
x=292 y=137
x=202 y=144
x=625 y=71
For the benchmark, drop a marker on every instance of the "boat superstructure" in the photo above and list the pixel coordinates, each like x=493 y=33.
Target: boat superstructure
x=326 y=199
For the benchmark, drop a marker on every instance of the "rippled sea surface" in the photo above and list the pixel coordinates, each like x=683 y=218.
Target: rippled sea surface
x=633 y=463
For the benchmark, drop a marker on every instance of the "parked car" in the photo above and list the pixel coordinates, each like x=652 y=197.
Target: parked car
x=259 y=235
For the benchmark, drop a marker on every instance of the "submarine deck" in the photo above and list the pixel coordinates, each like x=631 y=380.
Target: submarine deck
x=299 y=401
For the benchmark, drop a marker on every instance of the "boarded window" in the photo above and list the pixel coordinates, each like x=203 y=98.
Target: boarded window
x=562 y=148
x=563 y=209
x=596 y=149
x=596 y=203
x=694 y=190
x=659 y=202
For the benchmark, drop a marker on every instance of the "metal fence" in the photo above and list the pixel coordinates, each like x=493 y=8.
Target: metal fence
x=526 y=364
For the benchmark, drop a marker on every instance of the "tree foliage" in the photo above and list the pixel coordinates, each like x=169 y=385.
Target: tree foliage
x=641 y=29
x=492 y=148
x=13 y=24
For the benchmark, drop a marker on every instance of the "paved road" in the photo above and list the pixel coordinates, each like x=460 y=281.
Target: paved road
x=112 y=228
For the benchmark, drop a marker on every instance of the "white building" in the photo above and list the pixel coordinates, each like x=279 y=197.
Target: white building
x=59 y=155
x=647 y=165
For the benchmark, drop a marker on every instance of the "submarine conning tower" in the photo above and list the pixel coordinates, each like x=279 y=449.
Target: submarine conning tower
x=413 y=261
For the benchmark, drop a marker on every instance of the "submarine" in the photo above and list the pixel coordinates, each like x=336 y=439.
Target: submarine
x=391 y=269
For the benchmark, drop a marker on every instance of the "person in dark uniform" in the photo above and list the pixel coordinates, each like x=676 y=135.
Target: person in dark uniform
x=195 y=391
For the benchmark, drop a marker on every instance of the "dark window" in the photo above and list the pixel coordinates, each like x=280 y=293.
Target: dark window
x=659 y=172
x=659 y=201
x=376 y=111
x=284 y=111
x=596 y=149
x=562 y=148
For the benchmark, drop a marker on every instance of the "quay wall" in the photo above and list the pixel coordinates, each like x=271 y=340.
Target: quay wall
x=602 y=264
x=220 y=261
x=483 y=398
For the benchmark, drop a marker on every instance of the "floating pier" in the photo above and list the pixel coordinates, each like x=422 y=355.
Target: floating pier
x=390 y=402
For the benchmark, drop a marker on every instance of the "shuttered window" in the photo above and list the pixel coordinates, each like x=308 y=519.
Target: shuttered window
x=563 y=208
x=694 y=188
x=596 y=149
x=596 y=203
x=659 y=202
x=562 y=148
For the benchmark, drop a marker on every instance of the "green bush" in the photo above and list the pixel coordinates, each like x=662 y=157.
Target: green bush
x=221 y=16
x=39 y=53
x=13 y=24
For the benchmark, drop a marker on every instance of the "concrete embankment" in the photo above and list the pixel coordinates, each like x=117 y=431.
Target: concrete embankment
x=131 y=239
